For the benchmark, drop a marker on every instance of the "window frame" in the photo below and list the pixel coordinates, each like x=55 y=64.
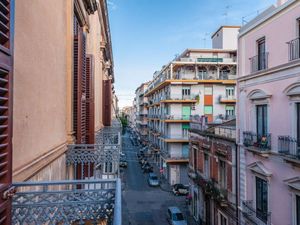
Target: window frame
x=265 y=119
x=222 y=180
x=263 y=180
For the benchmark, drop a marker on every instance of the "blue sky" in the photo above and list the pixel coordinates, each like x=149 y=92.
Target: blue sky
x=146 y=34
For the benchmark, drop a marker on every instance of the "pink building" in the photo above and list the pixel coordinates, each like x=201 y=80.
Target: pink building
x=269 y=116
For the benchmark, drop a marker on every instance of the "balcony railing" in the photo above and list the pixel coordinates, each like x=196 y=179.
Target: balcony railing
x=169 y=156
x=176 y=117
x=180 y=97
x=86 y=198
x=294 y=49
x=224 y=98
x=289 y=146
x=66 y=202
x=260 y=142
x=259 y=62
x=256 y=217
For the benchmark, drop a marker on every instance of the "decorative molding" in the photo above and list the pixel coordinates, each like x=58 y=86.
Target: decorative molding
x=258 y=94
x=293 y=183
x=293 y=89
x=259 y=168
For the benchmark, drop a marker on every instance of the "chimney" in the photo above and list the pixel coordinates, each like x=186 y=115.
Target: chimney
x=281 y=2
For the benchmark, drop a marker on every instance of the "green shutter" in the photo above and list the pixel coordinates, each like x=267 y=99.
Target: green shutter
x=208 y=110
x=185 y=126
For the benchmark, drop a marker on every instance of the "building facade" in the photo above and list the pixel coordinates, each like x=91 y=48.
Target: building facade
x=142 y=113
x=57 y=83
x=269 y=116
x=197 y=82
x=213 y=172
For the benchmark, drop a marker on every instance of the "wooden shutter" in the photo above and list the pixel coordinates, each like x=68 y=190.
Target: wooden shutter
x=5 y=110
x=90 y=101
x=79 y=92
x=107 y=100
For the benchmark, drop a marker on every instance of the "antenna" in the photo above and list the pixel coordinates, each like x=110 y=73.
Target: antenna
x=225 y=14
x=204 y=39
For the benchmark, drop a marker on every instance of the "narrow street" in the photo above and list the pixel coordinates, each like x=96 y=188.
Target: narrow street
x=144 y=205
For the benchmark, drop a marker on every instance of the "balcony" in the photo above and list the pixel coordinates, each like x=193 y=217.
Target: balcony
x=176 y=118
x=259 y=62
x=179 y=138
x=257 y=143
x=294 y=49
x=289 y=147
x=172 y=158
x=86 y=198
x=179 y=98
x=254 y=216
x=227 y=99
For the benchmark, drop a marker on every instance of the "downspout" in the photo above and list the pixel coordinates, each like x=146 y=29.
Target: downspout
x=236 y=184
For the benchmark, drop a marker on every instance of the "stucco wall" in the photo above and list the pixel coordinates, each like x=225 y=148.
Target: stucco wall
x=40 y=108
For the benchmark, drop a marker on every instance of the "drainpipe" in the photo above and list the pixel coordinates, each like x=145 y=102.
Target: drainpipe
x=236 y=184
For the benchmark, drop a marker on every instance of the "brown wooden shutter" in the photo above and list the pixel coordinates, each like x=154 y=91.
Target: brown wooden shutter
x=214 y=168
x=79 y=97
x=90 y=101
x=107 y=100
x=229 y=177
x=5 y=110
x=200 y=161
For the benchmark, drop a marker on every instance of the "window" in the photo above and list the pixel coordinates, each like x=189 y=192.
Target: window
x=229 y=109
x=222 y=174
x=195 y=158
x=261 y=120
x=261 y=199
x=206 y=165
x=298 y=123
x=297 y=210
x=208 y=90
x=208 y=109
x=261 y=56
x=185 y=129
x=230 y=92
x=186 y=91
x=222 y=219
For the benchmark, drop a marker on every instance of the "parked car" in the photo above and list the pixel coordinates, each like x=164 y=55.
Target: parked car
x=123 y=163
x=153 y=180
x=180 y=189
x=175 y=216
x=147 y=169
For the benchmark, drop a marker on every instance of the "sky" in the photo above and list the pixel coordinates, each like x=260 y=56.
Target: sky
x=147 y=34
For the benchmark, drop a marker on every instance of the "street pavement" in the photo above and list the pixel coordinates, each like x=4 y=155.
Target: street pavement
x=141 y=204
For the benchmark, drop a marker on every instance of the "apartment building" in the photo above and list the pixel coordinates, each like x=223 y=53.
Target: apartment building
x=141 y=113
x=213 y=172
x=56 y=87
x=197 y=82
x=269 y=116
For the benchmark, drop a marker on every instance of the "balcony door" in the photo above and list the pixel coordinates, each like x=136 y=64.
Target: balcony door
x=6 y=87
x=261 y=56
x=262 y=120
x=186 y=112
x=261 y=199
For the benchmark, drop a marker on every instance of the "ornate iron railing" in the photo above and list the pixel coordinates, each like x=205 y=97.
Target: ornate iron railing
x=84 y=199
x=62 y=202
x=257 y=218
x=260 y=142
x=288 y=146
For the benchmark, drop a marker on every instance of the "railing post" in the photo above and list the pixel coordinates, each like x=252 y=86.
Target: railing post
x=118 y=205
